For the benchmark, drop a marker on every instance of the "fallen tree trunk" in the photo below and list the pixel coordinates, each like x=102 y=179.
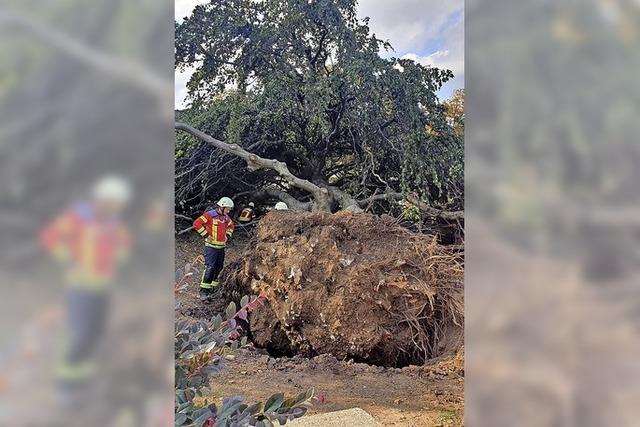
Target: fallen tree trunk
x=324 y=196
x=322 y=200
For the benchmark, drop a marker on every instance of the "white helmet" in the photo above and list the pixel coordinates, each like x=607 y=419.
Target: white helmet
x=281 y=206
x=253 y=205
x=112 y=188
x=225 y=202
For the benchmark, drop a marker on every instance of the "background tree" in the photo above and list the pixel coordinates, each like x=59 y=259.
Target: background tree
x=454 y=110
x=302 y=82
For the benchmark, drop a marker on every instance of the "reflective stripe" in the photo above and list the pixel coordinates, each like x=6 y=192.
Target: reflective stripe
x=75 y=372
x=212 y=241
x=211 y=285
x=61 y=253
x=204 y=219
x=86 y=280
x=214 y=245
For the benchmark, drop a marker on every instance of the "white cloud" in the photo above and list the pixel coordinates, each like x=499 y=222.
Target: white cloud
x=180 y=93
x=408 y=24
x=185 y=7
x=451 y=57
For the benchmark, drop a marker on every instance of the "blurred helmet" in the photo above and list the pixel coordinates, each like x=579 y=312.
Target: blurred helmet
x=281 y=206
x=225 y=202
x=112 y=188
x=251 y=204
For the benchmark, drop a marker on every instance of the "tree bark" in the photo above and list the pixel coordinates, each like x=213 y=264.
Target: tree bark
x=321 y=196
x=291 y=201
x=413 y=199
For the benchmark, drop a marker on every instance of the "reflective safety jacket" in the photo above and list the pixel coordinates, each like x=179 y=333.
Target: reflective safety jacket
x=91 y=246
x=247 y=215
x=215 y=226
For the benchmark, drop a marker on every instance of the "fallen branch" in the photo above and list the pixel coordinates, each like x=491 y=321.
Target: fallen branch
x=186 y=218
x=413 y=199
x=255 y=162
x=120 y=68
x=291 y=201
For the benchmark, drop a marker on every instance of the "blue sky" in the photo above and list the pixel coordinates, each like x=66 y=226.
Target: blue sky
x=428 y=31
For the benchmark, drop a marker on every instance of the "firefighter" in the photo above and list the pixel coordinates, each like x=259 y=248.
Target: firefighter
x=248 y=214
x=216 y=227
x=281 y=206
x=90 y=241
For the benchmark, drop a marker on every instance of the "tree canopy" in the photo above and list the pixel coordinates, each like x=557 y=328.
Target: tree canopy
x=303 y=82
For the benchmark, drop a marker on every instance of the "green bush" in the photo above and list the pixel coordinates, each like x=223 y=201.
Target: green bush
x=200 y=349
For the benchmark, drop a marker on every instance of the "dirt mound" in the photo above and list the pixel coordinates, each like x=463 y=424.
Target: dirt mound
x=356 y=286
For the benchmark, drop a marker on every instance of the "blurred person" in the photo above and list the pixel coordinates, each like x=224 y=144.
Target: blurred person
x=216 y=227
x=248 y=214
x=90 y=241
x=158 y=215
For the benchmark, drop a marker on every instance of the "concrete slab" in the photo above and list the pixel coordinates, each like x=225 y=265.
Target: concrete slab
x=354 y=417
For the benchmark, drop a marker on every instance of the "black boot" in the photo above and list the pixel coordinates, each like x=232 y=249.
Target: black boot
x=205 y=294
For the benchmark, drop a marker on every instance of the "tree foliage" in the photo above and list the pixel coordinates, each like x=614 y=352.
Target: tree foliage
x=303 y=82
x=454 y=110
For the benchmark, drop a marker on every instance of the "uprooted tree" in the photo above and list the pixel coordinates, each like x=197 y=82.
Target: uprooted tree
x=291 y=100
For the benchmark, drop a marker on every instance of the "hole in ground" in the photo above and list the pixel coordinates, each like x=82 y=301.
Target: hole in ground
x=279 y=346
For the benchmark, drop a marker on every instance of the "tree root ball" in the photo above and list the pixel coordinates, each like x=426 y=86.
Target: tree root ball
x=356 y=286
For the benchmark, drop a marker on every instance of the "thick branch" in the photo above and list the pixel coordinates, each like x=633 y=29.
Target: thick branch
x=118 y=67
x=345 y=200
x=424 y=207
x=430 y=210
x=291 y=201
x=254 y=162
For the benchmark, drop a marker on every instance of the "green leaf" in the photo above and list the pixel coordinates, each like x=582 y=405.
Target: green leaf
x=288 y=403
x=298 y=412
x=254 y=409
x=207 y=347
x=217 y=322
x=301 y=397
x=310 y=393
x=273 y=403
x=180 y=419
x=184 y=407
x=244 y=301
x=231 y=310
